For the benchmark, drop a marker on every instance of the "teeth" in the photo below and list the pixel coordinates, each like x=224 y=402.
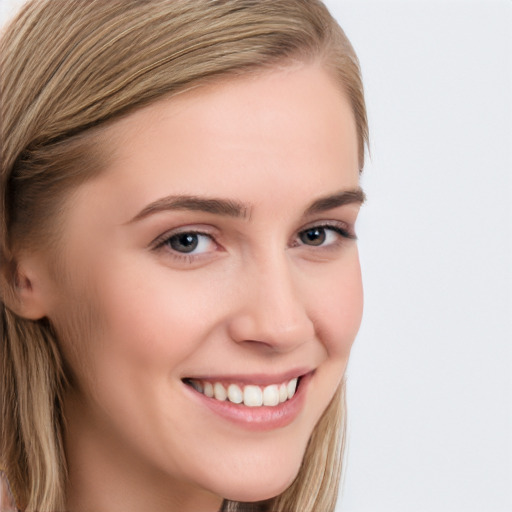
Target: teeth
x=235 y=394
x=292 y=386
x=253 y=396
x=283 y=393
x=219 y=391
x=197 y=385
x=271 y=395
x=208 y=389
x=250 y=395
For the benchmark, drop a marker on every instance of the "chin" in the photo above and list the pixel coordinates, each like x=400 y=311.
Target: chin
x=254 y=493
x=261 y=486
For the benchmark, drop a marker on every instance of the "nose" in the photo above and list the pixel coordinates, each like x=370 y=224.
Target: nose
x=271 y=307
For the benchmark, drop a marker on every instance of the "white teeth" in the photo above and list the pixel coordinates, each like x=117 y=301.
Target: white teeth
x=235 y=394
x=283 y=393
x=250 y=395
x=219 y=391
x=253 y=396
x=208 y=389
x=271 y=395
x=292 y=386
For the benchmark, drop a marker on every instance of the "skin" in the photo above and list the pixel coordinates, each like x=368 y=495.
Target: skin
x=135 y=316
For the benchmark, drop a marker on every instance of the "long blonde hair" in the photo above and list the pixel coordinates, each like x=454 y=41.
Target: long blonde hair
x=67 y=69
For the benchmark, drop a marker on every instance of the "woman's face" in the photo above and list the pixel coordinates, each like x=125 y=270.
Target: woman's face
x=216 y=251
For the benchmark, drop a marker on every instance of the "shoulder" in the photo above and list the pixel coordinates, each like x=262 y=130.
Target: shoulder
x=6 y=499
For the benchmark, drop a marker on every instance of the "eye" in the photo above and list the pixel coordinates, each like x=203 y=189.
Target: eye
x=189 y=243
x=313 y=236
x=324 y=235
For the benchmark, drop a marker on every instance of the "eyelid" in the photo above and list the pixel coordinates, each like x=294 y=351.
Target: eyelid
x=160 y=241
x=344 y=229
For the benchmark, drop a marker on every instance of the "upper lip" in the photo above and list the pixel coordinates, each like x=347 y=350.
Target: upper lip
x=259 y=379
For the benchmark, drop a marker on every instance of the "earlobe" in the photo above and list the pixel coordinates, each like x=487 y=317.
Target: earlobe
x=27 y=295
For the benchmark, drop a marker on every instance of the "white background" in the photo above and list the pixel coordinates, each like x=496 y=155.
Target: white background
x=430 y=386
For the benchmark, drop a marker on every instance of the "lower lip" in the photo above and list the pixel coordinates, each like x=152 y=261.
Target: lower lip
x=258 y=418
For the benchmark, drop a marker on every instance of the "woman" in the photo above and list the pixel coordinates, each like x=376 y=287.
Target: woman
x=180 y=277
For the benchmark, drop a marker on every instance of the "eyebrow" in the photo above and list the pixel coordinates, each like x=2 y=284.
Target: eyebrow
x=236 y=209
x=322 y=204
x=225 y=207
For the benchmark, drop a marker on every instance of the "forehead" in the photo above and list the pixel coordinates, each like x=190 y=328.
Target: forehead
x=282 y=126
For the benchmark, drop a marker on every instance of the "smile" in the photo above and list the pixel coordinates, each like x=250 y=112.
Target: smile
x=256 y=402
x=250 y=395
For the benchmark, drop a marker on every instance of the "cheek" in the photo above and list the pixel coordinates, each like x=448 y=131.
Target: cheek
x=340 y=307
x=151 y=319
x=160 y=318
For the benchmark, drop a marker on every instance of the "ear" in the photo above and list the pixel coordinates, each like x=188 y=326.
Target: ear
x=29 y=291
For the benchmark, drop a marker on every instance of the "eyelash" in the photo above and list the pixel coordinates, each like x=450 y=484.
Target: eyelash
x=344 y=233
x=163 y=241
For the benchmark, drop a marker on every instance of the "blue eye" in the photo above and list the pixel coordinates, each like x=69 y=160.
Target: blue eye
x=189 y=242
